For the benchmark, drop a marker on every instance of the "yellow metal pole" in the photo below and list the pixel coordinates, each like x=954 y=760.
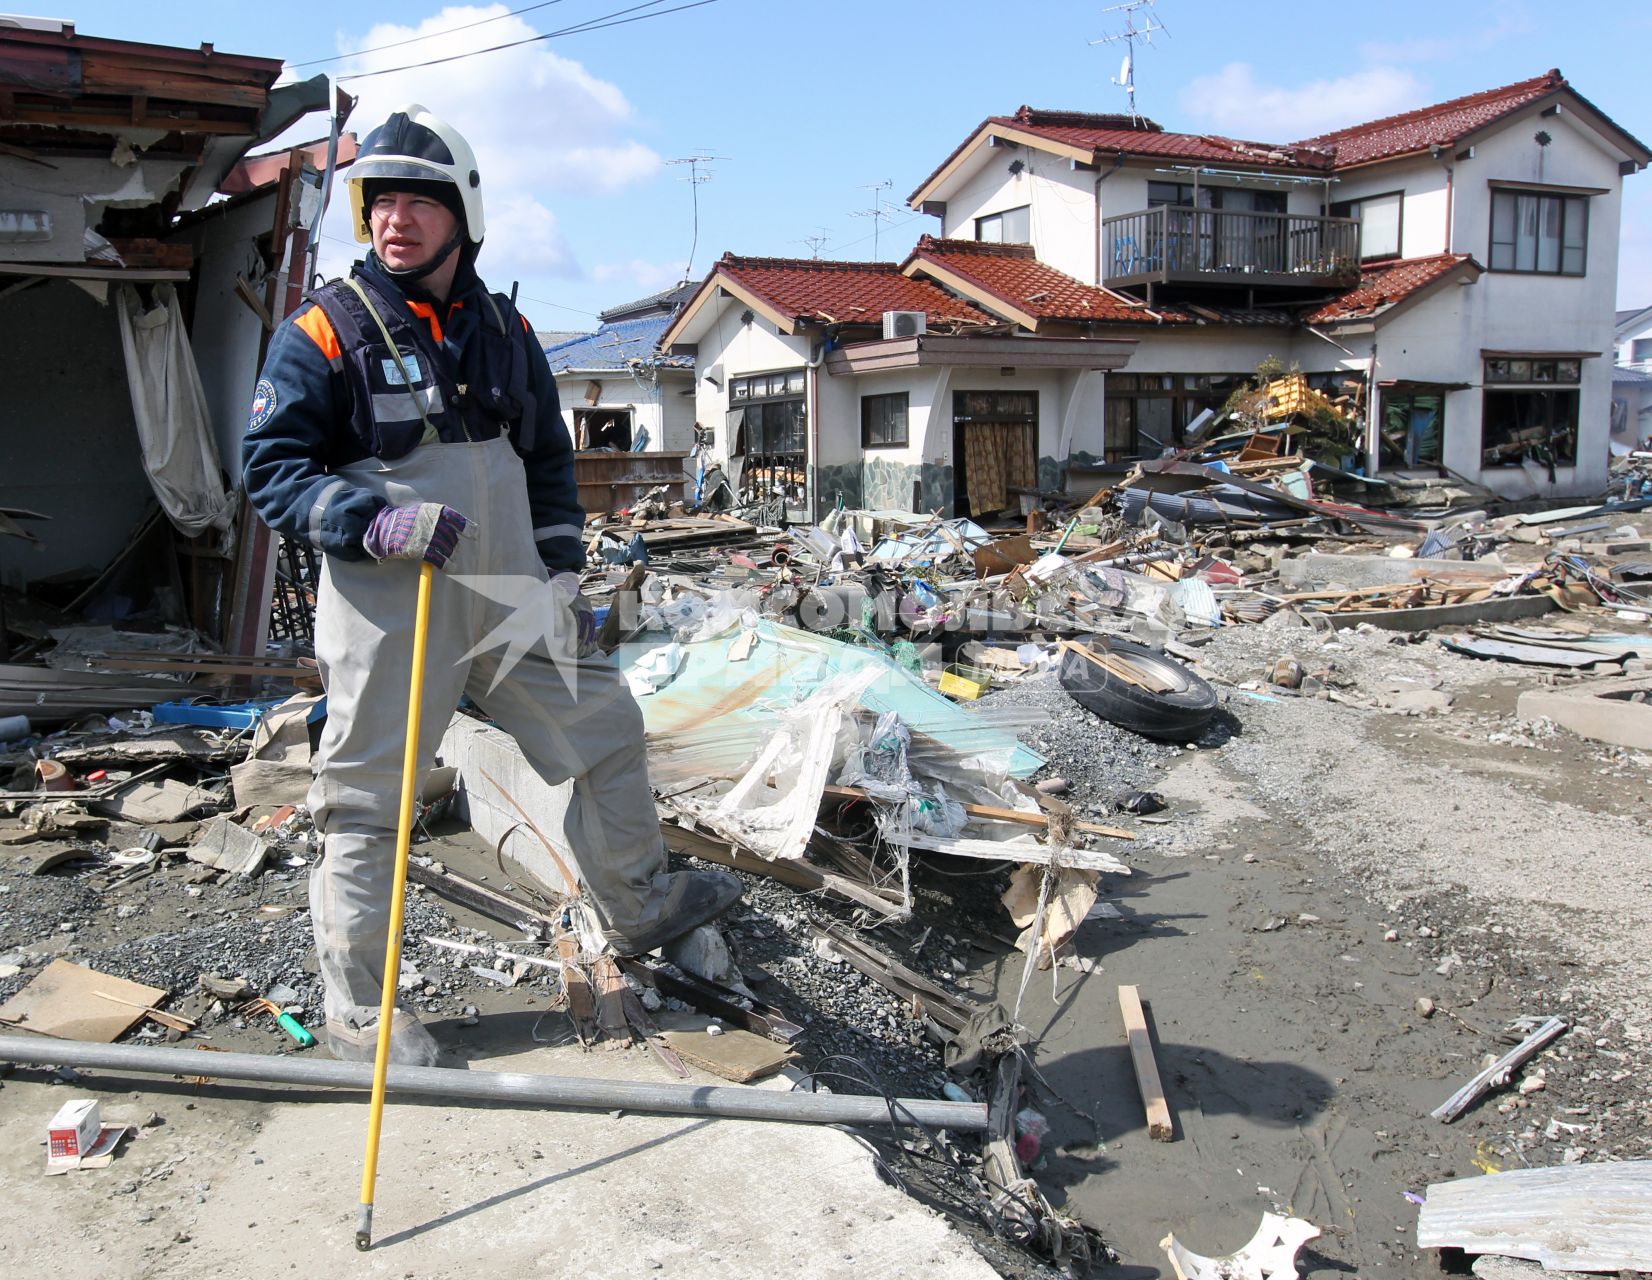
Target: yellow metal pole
x=393 y=942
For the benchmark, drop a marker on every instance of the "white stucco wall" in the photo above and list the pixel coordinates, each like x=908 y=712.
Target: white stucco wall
x=1423 y=211
x=1061 y=201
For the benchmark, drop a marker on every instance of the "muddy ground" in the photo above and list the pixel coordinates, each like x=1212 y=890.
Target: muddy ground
x=1509 y=865
x=1320 y=868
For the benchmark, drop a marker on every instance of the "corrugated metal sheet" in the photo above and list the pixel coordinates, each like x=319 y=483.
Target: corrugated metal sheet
x=1580 y=1217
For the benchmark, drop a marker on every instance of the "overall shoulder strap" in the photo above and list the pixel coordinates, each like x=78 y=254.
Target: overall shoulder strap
x=395 y=353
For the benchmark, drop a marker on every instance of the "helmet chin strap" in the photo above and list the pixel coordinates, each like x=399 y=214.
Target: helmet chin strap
x=412 y=275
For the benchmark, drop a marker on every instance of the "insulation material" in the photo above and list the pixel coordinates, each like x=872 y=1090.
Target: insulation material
x=1072 y=894
x=169 y=406
x=1269 y=1255
x=772 y=809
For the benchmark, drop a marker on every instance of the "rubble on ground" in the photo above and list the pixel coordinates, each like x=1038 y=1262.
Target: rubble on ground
x=907 y=734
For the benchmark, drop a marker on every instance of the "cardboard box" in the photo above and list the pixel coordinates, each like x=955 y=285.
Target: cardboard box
x=74 y=1131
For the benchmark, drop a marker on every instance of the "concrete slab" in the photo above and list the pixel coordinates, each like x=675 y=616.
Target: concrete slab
x=250 y=1183
x=1360 y=572
x=1600 y=710
x=1503 y=609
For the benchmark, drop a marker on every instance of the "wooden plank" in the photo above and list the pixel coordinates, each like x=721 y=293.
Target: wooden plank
x=582 y=1001
x=1159 y=1126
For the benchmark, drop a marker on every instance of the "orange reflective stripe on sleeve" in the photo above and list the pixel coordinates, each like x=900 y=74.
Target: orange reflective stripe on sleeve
x=319 y=329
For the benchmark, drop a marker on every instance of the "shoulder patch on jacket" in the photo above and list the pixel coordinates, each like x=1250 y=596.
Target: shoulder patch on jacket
x=313 y=323
x=263 y=404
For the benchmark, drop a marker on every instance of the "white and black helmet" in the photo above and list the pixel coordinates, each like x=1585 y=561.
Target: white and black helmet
x=414 y=146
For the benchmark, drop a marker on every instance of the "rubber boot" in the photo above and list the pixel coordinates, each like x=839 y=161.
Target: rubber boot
x=705 y=895
x=410 y=1044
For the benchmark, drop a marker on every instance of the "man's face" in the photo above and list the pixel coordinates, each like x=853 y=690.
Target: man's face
x=409 y=230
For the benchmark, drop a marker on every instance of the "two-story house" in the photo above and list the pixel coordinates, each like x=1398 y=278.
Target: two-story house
x=1451 y=269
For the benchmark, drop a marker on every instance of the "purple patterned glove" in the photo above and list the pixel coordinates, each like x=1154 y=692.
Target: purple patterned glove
x=422 y=531
x=568 y=586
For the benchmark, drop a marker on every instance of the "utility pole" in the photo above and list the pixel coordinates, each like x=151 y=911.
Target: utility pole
x=880 y=212
x=697 y=174
x=1126 y=78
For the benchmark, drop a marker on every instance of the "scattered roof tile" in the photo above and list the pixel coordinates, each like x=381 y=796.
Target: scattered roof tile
x=1383 y=284
x=845 y=292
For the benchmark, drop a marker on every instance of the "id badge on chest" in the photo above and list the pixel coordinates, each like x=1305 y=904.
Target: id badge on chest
x=393 y=372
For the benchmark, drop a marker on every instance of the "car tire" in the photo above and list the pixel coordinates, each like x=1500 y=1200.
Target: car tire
x=1178 y=714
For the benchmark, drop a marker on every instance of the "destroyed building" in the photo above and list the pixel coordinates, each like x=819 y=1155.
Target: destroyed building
x=1450 y=270
x=143 y=260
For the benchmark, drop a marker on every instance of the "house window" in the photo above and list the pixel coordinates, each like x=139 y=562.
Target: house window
x=1012 y=226
x=1147 y=413
x=1540 y=234
x=883 y=420
x=768 y=425
x=1379 y=223
x=1530 y=411
x=1640 y=351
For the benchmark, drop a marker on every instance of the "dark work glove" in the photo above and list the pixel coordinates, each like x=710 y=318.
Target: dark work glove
x=422 y=531
x=567 y=586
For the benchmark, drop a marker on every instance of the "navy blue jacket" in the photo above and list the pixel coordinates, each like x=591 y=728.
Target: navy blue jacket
x=300 y=432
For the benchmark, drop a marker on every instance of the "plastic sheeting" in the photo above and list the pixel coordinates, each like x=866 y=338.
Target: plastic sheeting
x=169 y=406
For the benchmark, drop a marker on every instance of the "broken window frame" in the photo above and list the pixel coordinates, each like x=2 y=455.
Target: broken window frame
x=1189 y=395
x=1505 y=254
x=1535 y=401
x=884 y=420
x=1399 y=408
x=773 y=433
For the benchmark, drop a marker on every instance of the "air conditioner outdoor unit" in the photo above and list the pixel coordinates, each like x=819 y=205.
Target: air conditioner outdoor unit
x=904 y=324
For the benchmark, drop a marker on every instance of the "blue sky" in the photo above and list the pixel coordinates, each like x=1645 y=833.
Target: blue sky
x=812 y=103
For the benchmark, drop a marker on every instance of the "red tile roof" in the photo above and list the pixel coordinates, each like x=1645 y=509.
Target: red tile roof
x=1010 y=274
x=1383 y=284
x=1441 y=124
x=845 y=292
x=1404 y=134
x=1108 y=135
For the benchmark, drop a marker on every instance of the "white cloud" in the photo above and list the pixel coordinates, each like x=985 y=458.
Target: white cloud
x=644 y=277
x=529 y=232
x=539 y=123
x=1233 y=101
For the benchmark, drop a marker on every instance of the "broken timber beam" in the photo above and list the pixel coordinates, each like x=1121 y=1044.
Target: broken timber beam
x=1497 y=1075
x=1159 y=1126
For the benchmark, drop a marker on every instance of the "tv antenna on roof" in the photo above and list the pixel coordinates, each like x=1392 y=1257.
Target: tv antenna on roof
x=697 y=174
x=1126 y=78
x=880 y=211
x=816 y=242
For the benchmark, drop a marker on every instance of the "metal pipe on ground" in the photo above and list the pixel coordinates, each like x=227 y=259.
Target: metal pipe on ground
x=721 y=1101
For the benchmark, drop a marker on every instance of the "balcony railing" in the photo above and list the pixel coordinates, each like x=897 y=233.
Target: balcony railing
x=1173 y=244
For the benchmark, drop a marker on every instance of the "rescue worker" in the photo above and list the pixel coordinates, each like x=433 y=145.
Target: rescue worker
x=405 y=414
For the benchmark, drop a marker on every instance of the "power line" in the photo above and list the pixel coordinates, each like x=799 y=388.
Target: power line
x=561 y=306
x=445 y=31
x=595 y=24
